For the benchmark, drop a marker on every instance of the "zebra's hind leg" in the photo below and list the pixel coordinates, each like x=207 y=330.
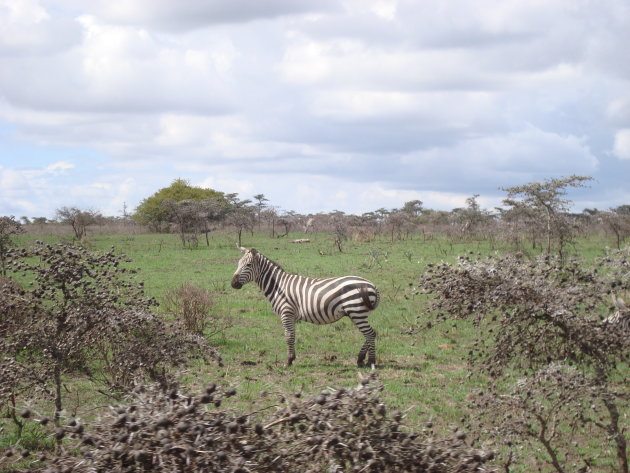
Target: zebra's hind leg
x=288 y=322
x=369 y=347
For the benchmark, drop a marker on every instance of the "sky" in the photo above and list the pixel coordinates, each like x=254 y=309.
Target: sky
x=350 y=105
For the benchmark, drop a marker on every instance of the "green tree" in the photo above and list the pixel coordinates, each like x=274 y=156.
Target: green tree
x=151 y=212
x=413 y=208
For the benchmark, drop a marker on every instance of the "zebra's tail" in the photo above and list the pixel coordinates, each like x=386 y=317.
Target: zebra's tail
x=365 y=295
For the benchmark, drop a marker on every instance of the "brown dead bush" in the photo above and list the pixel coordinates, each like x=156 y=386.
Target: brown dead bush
x=194 y=307
x=338 y=430
x=557 y=362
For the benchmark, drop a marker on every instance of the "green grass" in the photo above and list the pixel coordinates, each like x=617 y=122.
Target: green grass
x=424 y=370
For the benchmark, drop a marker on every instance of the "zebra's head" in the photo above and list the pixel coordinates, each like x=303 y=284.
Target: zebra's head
x=245 y=269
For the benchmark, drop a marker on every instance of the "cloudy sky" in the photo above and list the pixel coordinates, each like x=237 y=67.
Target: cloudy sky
x=324 y=105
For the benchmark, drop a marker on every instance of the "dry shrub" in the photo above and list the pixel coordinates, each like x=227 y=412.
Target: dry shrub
x=139 y=345
x=342 y=430
x=85 y=313
x=542 y=321
x=363 y=235
x=193 y=307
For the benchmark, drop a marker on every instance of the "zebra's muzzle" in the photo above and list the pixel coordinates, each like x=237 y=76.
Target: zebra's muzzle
x=236 y=284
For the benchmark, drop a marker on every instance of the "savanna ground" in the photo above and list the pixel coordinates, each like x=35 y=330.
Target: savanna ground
x=422 y=364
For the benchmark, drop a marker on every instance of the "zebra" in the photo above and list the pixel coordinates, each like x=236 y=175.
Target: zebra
x=620 y=320
x=316 y=300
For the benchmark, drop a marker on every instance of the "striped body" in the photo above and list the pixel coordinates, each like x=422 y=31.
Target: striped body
x=620 y=320
x=315 y=300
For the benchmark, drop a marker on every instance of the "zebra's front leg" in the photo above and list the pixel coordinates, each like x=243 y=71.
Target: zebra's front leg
x=288 y=322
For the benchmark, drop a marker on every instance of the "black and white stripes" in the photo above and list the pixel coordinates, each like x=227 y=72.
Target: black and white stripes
x=318 y=301
x=620 y=320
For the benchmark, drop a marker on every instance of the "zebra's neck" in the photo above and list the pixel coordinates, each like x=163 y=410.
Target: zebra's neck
x=269 y=275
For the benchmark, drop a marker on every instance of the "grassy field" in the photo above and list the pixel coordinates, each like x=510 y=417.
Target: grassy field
x=424 y=370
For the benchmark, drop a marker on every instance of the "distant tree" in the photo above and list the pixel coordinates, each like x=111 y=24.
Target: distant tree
x=340 y=225
x=270 y=216
x=242 y=215
x=382 y=214
x=78 y=219
x=210 y=212
x=396 y=220
x=471 y=217
x=39 y=220
x=618 y=222
x=412 y=208
x=25 y=220
x=261 y=204
x=623 y=210
x=8 y=228
x=193 y=217
x=544 y=205
x=286 y=221
x=151 y=212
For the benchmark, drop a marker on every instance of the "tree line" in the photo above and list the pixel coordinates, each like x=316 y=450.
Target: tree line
x=536 y=214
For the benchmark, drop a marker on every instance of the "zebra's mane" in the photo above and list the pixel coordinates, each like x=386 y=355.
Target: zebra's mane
x=274 y=263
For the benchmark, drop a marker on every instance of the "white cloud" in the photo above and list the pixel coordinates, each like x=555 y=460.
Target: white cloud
x=344 y=104
x=622 y=144
x=59 y=167
x=27 y=28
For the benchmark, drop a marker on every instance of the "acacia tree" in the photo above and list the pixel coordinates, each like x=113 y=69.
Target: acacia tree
x=155 y=214
x=618 y=222
x=544 y=322
x=261 y=204
x=544 y=205
x=193 y=217
x=241 y=215
x=340 y=228
x=471 y=217
x=78 y=219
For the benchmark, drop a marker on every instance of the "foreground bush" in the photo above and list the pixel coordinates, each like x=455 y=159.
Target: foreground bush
x=68 y=310
x=344 y=430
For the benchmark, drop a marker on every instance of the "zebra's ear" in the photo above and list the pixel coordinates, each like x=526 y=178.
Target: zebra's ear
x=253 y=251
x=243 y=250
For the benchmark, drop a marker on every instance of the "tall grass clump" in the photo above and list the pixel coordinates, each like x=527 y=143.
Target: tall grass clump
x=195 y=308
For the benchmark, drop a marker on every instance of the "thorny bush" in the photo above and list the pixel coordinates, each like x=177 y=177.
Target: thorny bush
x=338 y=430
x=545 y=321
x=8 y=228
x=68 y=309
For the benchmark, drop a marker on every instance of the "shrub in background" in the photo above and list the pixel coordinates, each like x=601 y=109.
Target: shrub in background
x=193 y=307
